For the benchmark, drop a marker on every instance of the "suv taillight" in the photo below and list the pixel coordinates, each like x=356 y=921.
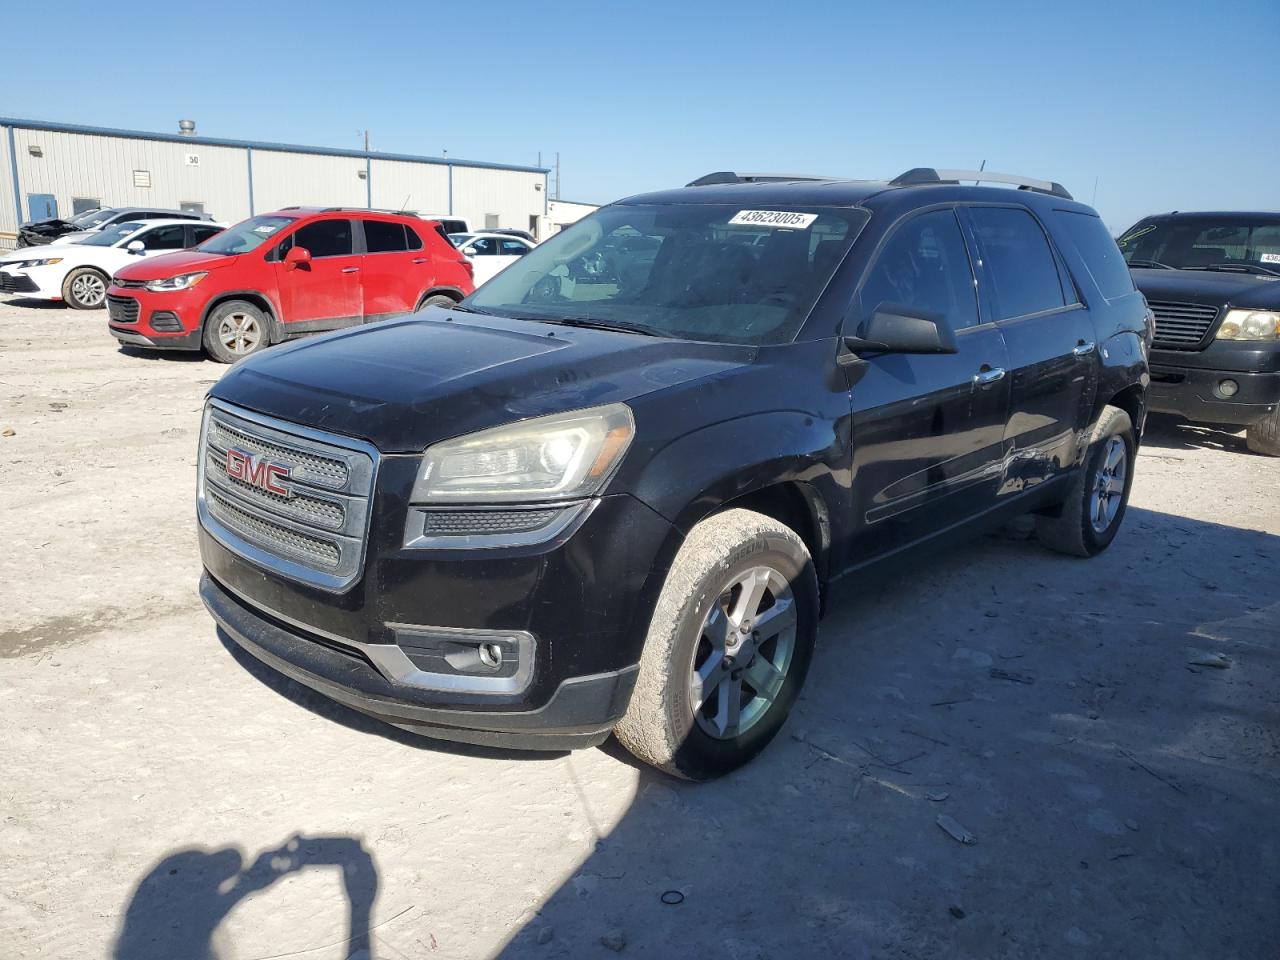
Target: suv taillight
x=469 y=267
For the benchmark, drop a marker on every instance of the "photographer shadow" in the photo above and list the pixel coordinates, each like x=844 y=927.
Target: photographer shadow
x=176 y=909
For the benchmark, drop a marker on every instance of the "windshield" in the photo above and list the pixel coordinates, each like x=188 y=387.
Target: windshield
x=245 y=236
x=691 y=271
x=90 y=220
x=1251 y=244
x=112 y=234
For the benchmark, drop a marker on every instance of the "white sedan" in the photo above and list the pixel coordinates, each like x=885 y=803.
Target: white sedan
x=490 y=253
x=79 y=272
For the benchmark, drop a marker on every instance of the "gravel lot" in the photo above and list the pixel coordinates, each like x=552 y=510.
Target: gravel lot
x=163 y=796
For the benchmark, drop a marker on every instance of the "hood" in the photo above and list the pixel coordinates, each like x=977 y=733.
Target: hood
x=53 y=225
x=1210 y=287
x=36 y=252
x=405 y=384
x=172 y=264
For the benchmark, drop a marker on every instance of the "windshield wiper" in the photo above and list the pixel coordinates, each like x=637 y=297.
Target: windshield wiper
x=591 y=323
x=1156 y=264
x=1237 y=268
x=465 y=309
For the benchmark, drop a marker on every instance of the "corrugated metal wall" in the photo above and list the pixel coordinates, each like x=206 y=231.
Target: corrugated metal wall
x=102 y=165
x=102 y=168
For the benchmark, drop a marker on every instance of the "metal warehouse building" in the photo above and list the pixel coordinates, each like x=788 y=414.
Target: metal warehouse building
x=58 y=169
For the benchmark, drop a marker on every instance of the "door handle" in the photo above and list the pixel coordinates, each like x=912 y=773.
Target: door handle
x=988 y=375
x=1083 y=348
x=350 y=269
x=419 y=260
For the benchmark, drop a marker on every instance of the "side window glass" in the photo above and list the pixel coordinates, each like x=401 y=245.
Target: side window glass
x=165 y=238
x=1099 y=252
x=412 y=240
x=1018 y=261
x=924 y=266
x=204 y=233
x=513 y=248
x=484 y=247
x=326 y=238
x=383 y=237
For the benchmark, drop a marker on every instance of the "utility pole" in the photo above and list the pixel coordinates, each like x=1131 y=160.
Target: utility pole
x=557 y=174
x=366 y=141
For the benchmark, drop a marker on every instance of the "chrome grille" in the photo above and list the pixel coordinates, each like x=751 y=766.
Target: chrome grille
x=1182 y=326
x=315 y=530
x=122 y=309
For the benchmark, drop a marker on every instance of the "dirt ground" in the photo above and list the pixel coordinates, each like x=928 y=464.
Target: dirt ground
x=163 y=796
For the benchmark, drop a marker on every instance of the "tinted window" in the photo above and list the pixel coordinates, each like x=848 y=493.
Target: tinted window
x=383 y=237
x=201 y=234
x=484 y=247
x=165 y=238
x=1020 y=266
x=325 y=238
x=514 y=248
x=1100 y=254
x=413 y=240
x=924 y=266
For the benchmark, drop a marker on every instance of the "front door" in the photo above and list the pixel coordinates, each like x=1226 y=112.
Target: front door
x=1050 y=337
x=323 y=294
x=928 y=429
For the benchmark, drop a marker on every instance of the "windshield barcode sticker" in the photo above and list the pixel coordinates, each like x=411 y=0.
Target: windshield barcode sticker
x=774 y=218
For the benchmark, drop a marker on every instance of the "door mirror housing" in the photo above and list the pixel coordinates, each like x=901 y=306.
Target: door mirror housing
x=895 y=328
x=296 y=257
x=136 y=247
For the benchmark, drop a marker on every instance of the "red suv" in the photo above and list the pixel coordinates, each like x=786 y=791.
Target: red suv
x=281 y=275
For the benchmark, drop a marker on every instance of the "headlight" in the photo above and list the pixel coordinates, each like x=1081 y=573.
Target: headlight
x=183 y=281
x=560 y=457
x=46 y=262
x=1250 y=325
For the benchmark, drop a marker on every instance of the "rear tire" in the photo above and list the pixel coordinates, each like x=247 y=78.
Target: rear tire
x=1098 y=496
x=235 y=330
x=728 y=648
x=1264 y=435
x=85 y=289
x=438 y=300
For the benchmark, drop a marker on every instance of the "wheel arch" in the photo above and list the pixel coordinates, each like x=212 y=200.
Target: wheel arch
x=255 y=297
x=453 y=293
x=1133 y=401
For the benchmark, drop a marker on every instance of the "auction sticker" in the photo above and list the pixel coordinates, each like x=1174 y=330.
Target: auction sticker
x=774 y=218
x=1270 y=258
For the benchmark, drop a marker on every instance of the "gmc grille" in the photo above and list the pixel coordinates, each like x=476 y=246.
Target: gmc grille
x=315 y=532
x=1182 y=326
x=122 y=309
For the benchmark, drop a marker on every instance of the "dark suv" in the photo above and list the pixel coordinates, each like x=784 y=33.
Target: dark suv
x=610 y=489
x=1211 y=281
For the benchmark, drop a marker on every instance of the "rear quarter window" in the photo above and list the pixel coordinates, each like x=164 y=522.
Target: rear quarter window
x=1099 y=252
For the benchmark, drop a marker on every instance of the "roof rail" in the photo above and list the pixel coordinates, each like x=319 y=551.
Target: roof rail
x=921 y=175
x=403 y=213
x=728 y=176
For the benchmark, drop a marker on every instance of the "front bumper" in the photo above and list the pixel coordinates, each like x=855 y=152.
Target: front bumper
x=22 y=284
x=1185 y=385
x=129 y=337
x=139 y=318
x=580 y=713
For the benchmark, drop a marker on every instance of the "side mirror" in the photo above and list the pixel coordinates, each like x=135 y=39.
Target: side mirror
x=296 y=257
x=895 y=328
x=136 y=247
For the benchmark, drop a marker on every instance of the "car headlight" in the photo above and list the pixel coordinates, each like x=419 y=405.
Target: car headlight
x=46 y=262
x=1250 y=325
x=561 y=457
x=183 y=281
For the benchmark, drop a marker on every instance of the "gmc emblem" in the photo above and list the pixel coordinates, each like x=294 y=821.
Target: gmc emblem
x=258 y=471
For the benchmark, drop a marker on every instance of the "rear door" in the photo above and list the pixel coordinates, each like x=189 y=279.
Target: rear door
x=395 y=269
x=325 y=293
x=928 y=428
x=1050 y=337
x=485 y=255
x=164 y=239
x=510 y=250
x=200 y=232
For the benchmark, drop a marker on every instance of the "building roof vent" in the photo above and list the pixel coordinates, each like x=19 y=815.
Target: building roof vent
x=187 y=128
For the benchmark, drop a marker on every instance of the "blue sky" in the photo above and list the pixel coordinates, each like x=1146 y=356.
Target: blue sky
x=1171 y=105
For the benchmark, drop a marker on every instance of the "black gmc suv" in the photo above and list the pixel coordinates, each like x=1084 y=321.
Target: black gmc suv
x=1210 y=279
x=610 y=490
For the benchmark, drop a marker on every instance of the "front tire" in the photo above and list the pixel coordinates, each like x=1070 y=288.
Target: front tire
x=728 y=648
x=1264 y=435
x=439 y=300
x=235 y=330
x=1096 y=501
x=85 y=289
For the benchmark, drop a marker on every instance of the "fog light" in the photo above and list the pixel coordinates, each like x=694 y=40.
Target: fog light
x=1228 y=388
x=491 y=655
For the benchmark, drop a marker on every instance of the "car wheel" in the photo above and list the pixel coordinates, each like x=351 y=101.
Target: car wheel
x=728 y=647
x=85 y=288
x=439 y=300
x=1264 y=435
x=234 y=330
x=1095 y=504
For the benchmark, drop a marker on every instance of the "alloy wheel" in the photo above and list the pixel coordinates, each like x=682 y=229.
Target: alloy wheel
x=744 y=650
x=89 y=289
x=240 y=333
x=1108 y=485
